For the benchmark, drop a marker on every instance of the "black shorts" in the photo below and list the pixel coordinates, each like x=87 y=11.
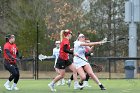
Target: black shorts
x=62 y=64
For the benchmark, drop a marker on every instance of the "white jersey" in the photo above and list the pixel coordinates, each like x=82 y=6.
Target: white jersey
x=80 y=51
x=56 y=54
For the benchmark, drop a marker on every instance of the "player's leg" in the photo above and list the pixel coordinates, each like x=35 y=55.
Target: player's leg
x=62 y=81
x=82 y=75
x=89 y=70
x=85 y=83
x=56 y=79
x=9 y=68
x=69 y=81
x=57 y=71
x=16 y=78
x=61 y=67
x=76 y=84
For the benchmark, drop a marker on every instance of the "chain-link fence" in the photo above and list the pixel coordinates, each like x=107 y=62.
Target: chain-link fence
x=29 y=69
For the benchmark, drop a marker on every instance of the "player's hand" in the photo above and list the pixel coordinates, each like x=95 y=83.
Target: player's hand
x=12 y=59
x=75 y=55
x=71 y=49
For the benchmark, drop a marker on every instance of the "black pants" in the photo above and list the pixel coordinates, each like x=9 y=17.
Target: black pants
x=14 y=71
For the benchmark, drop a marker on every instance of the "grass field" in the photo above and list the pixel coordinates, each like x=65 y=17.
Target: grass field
x=41 y=86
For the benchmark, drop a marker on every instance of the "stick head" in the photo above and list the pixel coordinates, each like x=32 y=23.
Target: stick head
x=104 y=40
x=42 y=57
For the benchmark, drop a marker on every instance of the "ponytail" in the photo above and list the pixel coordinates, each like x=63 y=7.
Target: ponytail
x=62 y=35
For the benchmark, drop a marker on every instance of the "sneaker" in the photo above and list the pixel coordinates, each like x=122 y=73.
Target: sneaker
x=85 y=84
x=14 y=88
x=7 y=86
x=78 y=87
x=69 y=83
x=81 y=84
x=52 y=87
x=58 y=83
x=102 y=87
x=62 y=82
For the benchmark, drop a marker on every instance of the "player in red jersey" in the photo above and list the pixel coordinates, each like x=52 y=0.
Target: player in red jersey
x=10 y=58
x=63 y=60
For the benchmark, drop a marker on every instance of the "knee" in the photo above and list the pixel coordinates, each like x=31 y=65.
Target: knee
x=75 y=72
x=91 y=74
x=83 y=77
x=62 y=75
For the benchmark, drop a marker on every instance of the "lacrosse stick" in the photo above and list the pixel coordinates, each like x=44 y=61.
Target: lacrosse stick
x=43 y=57
x=104 y=40
x=98 y=67
x=110 y=41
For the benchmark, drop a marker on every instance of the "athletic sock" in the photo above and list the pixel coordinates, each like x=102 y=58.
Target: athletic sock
x=100 y=84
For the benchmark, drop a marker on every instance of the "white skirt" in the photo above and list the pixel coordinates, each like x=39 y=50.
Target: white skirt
x=80 y=64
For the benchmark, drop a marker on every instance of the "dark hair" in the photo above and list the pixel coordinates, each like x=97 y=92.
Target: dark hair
x=7 y=37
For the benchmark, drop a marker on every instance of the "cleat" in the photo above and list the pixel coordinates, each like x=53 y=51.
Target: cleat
x=15 y=88
x=86 y=84
x=58 y=83
x=62 y=82
x=52 y=87
x=7 y=86
x=102 y=87
x=69 y=83
x=78 y=87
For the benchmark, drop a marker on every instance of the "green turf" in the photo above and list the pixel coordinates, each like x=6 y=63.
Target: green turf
x=40 y=86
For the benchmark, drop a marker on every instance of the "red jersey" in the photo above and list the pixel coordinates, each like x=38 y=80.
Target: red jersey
x=13 y=50
x=86 y=52
x=63 y=55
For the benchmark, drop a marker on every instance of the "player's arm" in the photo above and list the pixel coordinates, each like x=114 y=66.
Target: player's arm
x=91 y=43
x=53 y=55
x=90 y=48
x=9 y=54
x=66 y=50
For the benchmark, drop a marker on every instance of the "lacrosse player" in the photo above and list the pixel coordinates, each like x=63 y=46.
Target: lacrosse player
x=63 y=60
x=87 y=54
x=10 y=59
x=56 y=55
x=80 y=60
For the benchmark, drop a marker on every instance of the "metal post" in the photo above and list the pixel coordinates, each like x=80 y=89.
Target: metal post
x=131 y=9
x=109 y=69
x=37 y=66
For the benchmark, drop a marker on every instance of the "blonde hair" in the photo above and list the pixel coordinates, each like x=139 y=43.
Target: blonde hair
x=62 y=35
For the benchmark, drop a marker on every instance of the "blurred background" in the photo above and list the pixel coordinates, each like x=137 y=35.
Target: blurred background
x=37 y=24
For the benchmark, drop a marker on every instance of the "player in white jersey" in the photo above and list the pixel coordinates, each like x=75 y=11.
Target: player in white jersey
x=80 y=60
x=56 y=55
